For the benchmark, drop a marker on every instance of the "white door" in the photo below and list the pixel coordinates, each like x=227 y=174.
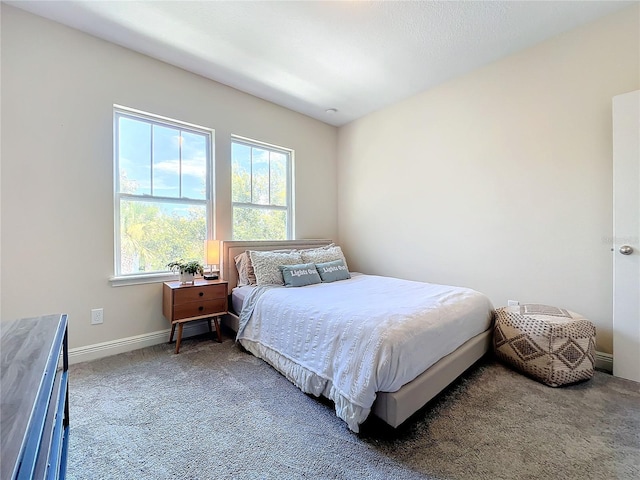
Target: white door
x=626 y=235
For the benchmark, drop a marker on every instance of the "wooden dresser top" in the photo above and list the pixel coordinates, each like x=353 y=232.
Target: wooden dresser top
x=25 y=348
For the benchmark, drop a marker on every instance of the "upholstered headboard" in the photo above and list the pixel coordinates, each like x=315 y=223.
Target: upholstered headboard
x=231 y=248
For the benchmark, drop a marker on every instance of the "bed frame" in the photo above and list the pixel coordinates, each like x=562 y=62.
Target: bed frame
x=392 y=407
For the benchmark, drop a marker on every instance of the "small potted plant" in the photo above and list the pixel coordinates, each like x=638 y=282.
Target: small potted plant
x=187 y=270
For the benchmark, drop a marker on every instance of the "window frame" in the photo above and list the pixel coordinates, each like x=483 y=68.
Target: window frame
x=290 y=154
x=120 y=111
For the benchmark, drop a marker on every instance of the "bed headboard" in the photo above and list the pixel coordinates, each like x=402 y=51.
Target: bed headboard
x=231 y=248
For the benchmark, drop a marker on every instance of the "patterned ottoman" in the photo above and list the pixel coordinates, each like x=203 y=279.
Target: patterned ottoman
x=552 y=345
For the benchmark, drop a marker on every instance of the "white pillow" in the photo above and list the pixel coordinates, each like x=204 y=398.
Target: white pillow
x=323 y=255
x=266 y=265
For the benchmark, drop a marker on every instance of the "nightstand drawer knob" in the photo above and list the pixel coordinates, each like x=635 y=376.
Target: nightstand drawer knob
x=200 y=308
x=201 y=293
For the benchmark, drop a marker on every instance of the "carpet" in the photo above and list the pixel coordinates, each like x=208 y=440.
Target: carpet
x=216 y=412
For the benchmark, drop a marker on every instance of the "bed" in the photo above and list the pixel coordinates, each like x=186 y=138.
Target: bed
x=386 y=354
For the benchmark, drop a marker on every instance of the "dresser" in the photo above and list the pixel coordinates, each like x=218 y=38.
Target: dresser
x=201 y=300
x=34 y=407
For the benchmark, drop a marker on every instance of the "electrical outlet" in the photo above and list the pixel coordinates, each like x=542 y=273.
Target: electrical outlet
x=513 y=303
x=97 y=316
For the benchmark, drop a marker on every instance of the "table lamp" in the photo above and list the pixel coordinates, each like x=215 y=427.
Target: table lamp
x=212 y=257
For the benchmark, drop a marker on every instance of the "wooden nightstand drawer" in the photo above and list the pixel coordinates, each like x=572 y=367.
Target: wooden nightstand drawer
x=196 y=309
x=199 y=293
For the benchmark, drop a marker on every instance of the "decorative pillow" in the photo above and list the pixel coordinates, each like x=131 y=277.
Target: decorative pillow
x=267 y=265
x=300 y=275
x=246 y=273
x=323 y=255
x=333 y=271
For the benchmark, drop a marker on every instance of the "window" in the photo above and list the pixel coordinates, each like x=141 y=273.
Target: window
x=261 y=191
x=162 y=191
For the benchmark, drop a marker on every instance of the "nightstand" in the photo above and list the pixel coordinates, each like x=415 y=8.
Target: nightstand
x=202 y=300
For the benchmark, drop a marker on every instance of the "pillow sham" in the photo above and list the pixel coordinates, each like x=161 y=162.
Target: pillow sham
x=243 y=264
x=266 y=265
x=300 y=275
x=333 y=271
x=323 y=255
x=317 y=249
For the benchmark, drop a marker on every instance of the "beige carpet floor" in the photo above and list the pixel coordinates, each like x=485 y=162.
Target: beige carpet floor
x=216 y=412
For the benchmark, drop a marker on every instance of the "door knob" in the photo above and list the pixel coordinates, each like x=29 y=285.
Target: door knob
x=626 y=249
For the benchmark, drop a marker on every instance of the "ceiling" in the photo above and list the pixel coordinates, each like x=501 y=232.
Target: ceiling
x=311 y=56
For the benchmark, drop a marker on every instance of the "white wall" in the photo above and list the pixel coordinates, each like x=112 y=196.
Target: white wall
x=58 y=90
x=499 y=180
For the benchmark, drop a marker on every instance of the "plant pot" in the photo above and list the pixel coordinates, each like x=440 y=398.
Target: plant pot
x=186 y=277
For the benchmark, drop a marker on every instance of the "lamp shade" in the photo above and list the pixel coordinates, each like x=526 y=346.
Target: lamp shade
x=212 y=252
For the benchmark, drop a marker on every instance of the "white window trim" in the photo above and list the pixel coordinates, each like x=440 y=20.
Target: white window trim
x=162 y=276
x=289 y=207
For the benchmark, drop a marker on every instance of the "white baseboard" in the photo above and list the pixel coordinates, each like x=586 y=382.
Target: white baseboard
x=122 y=345
x=604 y=361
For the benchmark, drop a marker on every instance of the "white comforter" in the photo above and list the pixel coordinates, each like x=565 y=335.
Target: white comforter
x=349 y=339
